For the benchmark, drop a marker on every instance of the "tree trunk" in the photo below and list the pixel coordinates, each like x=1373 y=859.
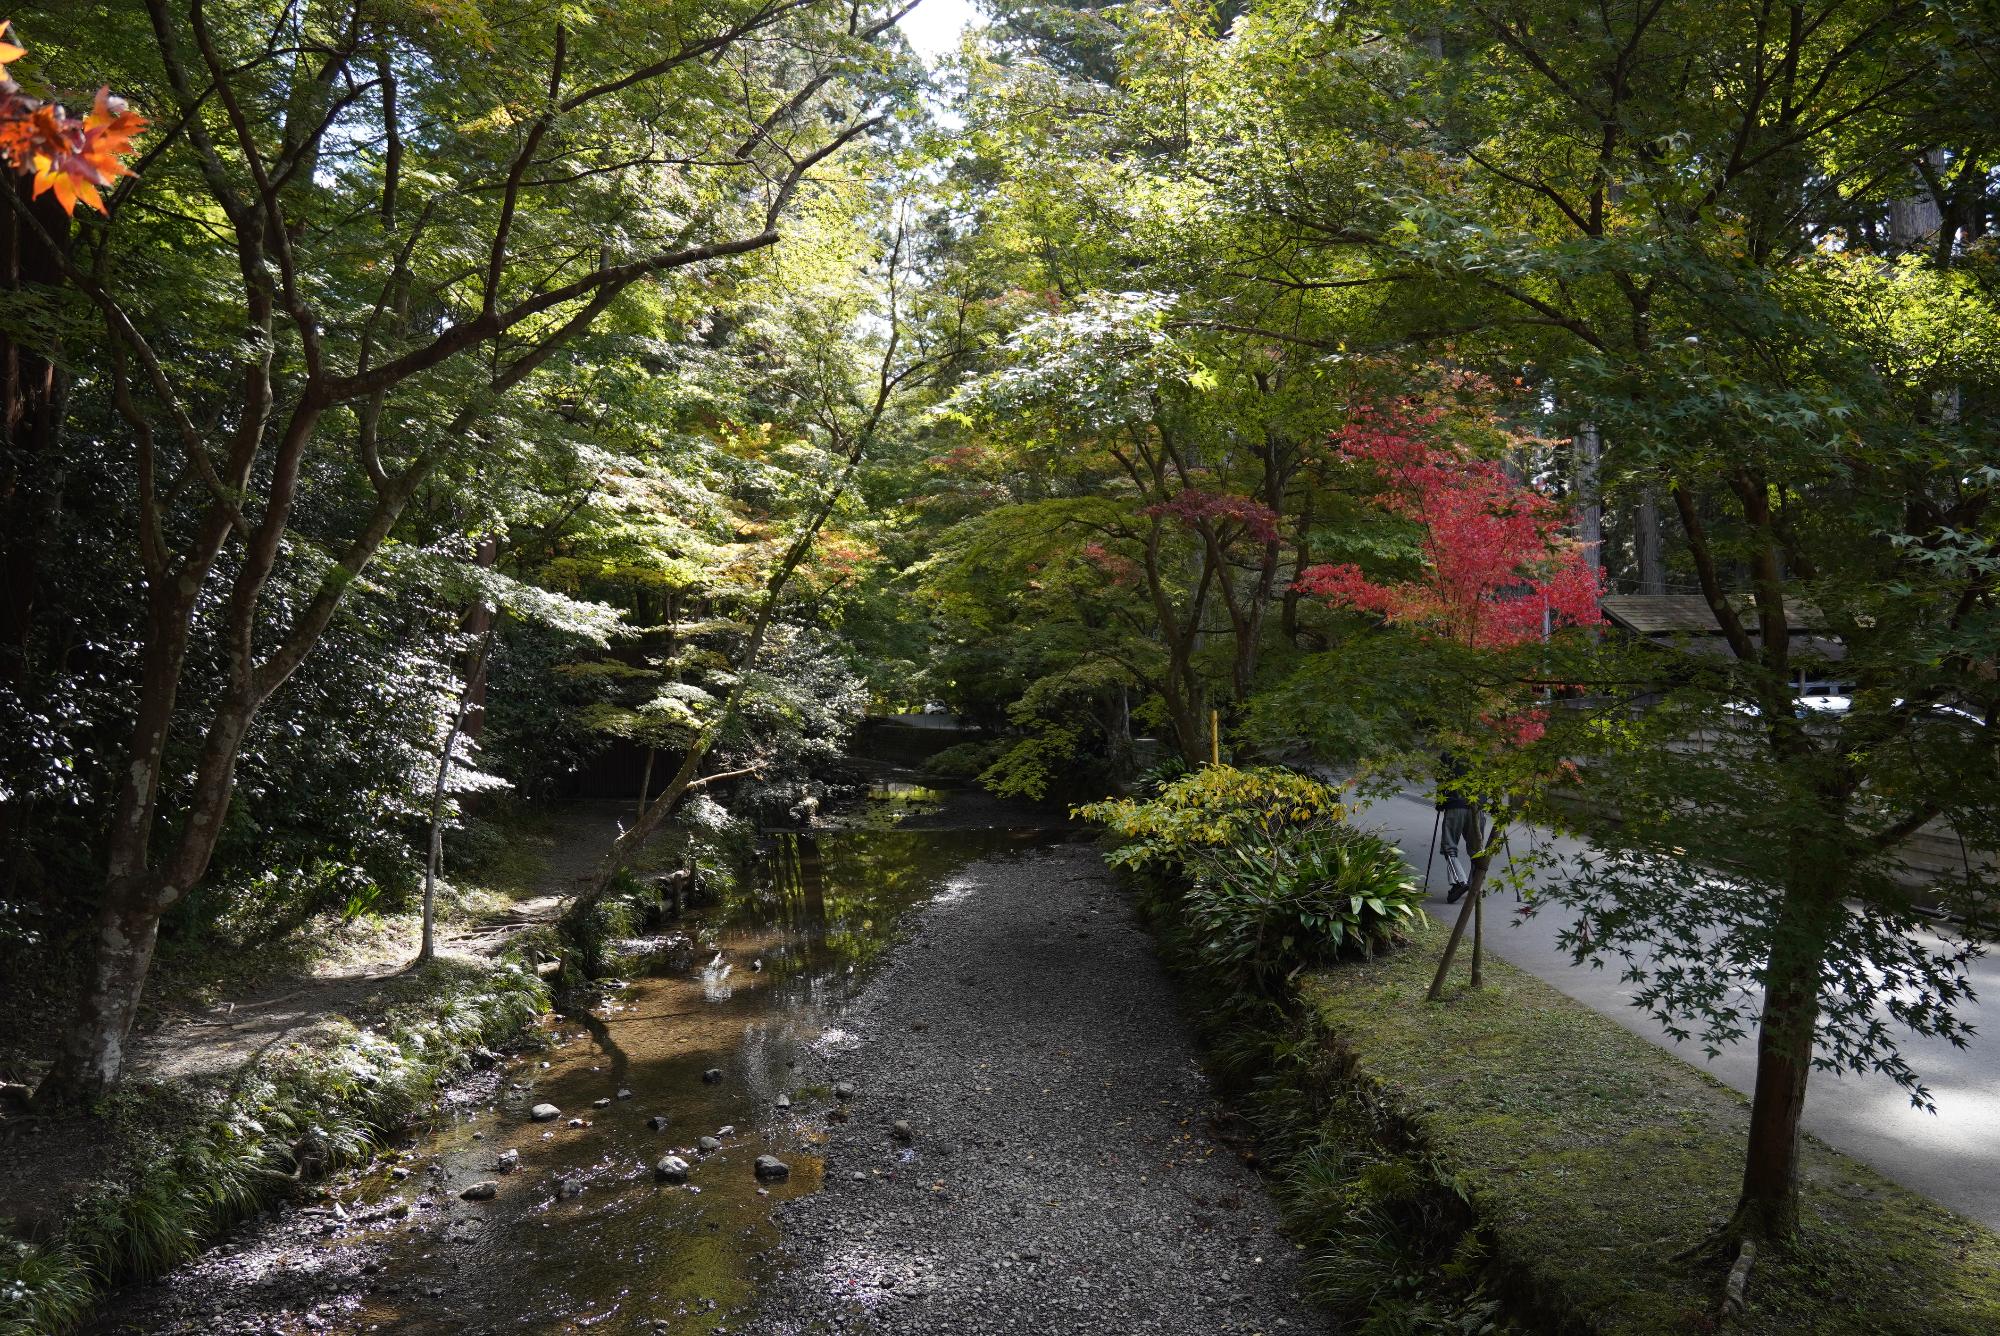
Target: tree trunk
x=30 y=413
x=1769 y=1206
x=468 y=694
x=1647 y=553
x=646 y=779
x=1587 y=460
x=91 y=1058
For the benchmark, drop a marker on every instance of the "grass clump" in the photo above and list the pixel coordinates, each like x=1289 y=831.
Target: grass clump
x=189 y=1158
x=1591 y=1159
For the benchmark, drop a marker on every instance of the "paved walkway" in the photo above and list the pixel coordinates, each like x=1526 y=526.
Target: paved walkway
x=1952 y=1156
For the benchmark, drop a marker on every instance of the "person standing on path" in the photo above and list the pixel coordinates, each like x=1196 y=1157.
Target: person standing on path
x=1460 y=823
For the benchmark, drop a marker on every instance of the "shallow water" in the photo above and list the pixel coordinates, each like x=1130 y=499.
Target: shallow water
x=582 y=1236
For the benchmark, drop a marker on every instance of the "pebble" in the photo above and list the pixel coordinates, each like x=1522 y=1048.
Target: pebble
x=510 y=1160
x=784 y=1101
x=1081 y=1060
x=707 y=1145
x=658 y=1122
x=604 y=1103
x=770 y=1167
x=545 y=1113
x=671 y=1169
x=713 y=1076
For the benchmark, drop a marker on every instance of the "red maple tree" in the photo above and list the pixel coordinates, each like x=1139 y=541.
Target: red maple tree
x=1497 y=571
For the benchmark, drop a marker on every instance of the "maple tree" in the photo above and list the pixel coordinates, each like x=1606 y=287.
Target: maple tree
x=73 y=156
x=1496 y=570
x=1495 y=576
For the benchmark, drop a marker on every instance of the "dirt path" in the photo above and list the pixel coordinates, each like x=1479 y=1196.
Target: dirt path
x=42 y=1162
x=239 y=1030
x=1061 y=1173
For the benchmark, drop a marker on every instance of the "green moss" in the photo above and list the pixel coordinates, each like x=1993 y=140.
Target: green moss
x=1592 y=1158
x=191 y=1158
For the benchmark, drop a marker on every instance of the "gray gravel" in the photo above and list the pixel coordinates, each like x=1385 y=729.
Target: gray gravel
x=1061 y=1174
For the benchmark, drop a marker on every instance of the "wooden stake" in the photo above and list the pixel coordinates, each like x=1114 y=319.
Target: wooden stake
x=1215 y=737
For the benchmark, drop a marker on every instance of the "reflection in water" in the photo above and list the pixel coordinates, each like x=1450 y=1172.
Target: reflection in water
x=583 y=1234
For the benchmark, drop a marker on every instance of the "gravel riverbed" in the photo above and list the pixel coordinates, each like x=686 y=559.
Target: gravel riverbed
x=1059 y=1172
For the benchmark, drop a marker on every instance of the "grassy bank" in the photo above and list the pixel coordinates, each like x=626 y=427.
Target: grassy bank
x=188 y=1158
x=1587 y=1159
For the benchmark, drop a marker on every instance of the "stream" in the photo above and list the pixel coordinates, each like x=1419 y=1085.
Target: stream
x=699 y=1040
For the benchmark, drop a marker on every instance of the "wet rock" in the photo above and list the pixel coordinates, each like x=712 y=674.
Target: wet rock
x=843 y=1090
x=900 y=1130
x=671 y=1169
x=484 y=1190
x=713 y=1076
x=707 y=1145
x=545 y=1113
x=771 y=1168
x=510 y=1160
x=658 y=1122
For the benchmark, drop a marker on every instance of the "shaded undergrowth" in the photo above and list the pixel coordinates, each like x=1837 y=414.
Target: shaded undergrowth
x=1392 y=1244
x=189 y=1158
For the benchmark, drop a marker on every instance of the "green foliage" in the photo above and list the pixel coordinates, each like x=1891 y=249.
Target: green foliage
x=1265 y=912
x=967 y=760
x=1212 y=808
x=190 y=1160
x=1030 y=766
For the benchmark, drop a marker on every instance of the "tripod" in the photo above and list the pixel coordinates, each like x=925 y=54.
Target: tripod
x=1437 y=823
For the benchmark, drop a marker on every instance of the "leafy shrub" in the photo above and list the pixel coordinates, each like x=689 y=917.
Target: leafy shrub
x=1215 y=807
x=965 y=760
x=1264 y=912
x=1154 y=779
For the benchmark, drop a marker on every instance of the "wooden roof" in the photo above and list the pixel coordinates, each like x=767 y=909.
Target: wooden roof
x=1689 y=614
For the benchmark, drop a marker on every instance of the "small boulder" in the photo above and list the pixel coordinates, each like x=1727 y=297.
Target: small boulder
x=771 y=1168
x=713 y=1076
x=485 y=1190
x=707 y=1145
x=510 y=1160
x=545 y=1113
x=671 y=1169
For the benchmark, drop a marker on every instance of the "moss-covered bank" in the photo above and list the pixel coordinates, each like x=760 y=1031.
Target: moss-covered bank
x=189 y=1158
x=1593 y=1160
x=1511 y=1161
